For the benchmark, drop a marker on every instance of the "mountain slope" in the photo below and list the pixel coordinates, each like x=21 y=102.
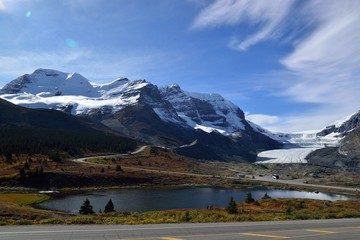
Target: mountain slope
x=31 y=131
x=141 y=122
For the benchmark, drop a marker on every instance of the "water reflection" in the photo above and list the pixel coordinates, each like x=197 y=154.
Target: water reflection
x=140 y=200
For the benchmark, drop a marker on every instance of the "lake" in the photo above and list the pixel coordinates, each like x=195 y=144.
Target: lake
x=142 y=200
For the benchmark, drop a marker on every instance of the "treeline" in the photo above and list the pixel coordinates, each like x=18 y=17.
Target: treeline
x=51 y=142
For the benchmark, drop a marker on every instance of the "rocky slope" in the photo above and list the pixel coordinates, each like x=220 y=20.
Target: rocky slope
x=347 y=153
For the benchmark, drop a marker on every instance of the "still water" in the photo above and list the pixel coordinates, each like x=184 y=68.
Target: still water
x=141 y=200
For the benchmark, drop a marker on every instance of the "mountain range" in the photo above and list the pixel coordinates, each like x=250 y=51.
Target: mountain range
x=210 y=126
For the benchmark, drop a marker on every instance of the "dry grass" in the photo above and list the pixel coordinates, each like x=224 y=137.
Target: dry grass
x=262 y=210
x=23 y=199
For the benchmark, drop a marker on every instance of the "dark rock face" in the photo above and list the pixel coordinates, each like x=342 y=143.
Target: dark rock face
x=207 y=109
x=350 y=145
x=352 y=123
x=17 y=85
x=347 y=155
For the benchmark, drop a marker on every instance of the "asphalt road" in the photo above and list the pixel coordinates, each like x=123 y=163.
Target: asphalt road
x=310 y=230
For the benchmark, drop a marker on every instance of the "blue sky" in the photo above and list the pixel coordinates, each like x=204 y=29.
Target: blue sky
x=291 y=65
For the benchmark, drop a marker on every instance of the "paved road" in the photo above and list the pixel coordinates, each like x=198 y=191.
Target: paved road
x=85 y=159
x=348 y=229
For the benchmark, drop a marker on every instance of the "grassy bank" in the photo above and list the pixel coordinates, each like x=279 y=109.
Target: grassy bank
x=15 y=209
x=24 y=199
x=262 y=210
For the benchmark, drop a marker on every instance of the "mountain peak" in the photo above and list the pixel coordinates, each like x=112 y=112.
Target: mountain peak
x=51 y=83
x=47 y=72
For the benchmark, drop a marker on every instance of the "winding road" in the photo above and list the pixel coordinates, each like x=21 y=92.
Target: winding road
x=294 y=182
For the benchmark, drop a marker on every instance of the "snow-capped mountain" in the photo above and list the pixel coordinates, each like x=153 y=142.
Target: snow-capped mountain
x=51 y=83
x=165 y=116
x=72 y=92
x=170 y=116
x=343 y=126
x=347 y=153
x=47 y=88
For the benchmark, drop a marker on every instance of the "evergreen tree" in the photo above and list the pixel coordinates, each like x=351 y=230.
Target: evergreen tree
x=266 y=196
x=109 y=207
x=231 y=208
x=86 y=208
x=249 y=198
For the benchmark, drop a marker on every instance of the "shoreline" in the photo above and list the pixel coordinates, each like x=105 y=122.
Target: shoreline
x=235 y=184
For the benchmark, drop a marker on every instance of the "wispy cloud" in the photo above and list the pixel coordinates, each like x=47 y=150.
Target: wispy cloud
x=266 y=16
x=323 y=67
x=326 y=63
x=2 y=5
x=262 y=119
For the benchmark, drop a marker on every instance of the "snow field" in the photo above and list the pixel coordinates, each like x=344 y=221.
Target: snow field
x=291 y=155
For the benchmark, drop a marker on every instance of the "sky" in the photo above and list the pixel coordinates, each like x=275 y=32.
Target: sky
x=290 y=65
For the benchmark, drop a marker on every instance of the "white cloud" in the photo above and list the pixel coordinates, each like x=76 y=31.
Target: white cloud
x=262 y=119
x=266 y=16
x=2 y=5
x=324 y=66
x=313 y=120
x=327 y=62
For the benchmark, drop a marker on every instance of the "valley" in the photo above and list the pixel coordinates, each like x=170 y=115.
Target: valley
x=62 y=133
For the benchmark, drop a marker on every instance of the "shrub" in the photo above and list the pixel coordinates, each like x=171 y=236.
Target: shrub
x=186 y=217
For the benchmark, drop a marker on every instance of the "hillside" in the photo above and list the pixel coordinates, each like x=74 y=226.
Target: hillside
x=49 y=132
